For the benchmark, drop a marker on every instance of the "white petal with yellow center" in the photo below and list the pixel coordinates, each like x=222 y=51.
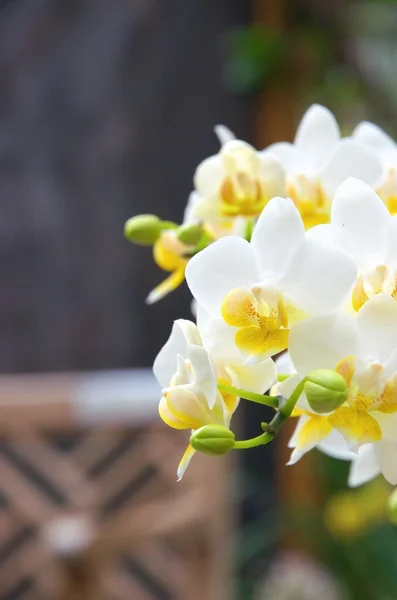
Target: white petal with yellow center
x=319 y=161
x=237 y=182
x=262 y=289
x=361 y=225
x=189 y=378
x=227 y=264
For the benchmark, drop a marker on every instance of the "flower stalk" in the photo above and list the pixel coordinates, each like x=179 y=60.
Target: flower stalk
x=284 y=411
x=272 y=401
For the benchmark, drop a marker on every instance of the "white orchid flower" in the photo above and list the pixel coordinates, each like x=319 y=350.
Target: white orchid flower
x=369 y=461
x=364 y=351
x=260 y=289
x=319 y=161
x=362 y=225
x=189 y=376
x=235 y=183
x=385 y=148
x=218 y=339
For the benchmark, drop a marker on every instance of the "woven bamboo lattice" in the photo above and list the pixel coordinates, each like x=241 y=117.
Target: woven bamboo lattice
x=95 y=512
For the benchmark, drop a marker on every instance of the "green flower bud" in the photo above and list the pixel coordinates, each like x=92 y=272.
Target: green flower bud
x=143 y=229
x=146 y=229
x=212 y=439
x=392 y=507
x=190 y=234
x=325 y=390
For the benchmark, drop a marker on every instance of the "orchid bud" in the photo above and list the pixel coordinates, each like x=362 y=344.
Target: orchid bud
x=143 y=229
x=190 y=234
x=213 y=439
x=325 y=390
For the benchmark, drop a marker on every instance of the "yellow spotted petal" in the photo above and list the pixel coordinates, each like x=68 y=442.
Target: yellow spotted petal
x=257 y=341
x=357 y=426
x=282 y=311
x=186 y=458
x=239 y=308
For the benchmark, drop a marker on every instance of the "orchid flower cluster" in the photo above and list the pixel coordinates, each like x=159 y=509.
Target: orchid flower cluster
x=291 y=257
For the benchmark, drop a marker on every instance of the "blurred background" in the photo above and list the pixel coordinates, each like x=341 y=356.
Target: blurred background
x=106 y=109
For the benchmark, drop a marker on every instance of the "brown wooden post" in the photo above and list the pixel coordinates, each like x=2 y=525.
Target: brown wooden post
x=80 y=576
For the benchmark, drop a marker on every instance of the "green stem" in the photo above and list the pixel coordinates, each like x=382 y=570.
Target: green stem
x=272 y=401
x=260 y=440
x=272 y=428
x=289 y=406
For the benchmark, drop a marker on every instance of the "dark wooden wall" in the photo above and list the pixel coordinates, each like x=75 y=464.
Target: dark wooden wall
x=106 y=107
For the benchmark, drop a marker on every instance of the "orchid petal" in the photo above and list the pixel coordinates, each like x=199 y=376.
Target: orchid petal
x=362 y=215
x=183 y=333
x=320 y=277
x=186 y=458
x=317 y=133
x=349 y=159
x=276 y=235
x=377 y=322
x=227 y=264
x=364 y=466
x=322 y=342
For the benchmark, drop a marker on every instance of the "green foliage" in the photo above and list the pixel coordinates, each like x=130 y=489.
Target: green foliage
x=254 y=54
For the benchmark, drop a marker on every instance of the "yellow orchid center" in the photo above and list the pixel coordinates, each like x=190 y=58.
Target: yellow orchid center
x=379 y=280
x=387 y=190
x=368 y=391
x=310 y=199
x=242 y=192
x=261 y=320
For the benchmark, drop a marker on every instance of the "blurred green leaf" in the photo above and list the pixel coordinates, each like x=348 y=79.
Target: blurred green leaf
x=254 y=53
x=256 y=538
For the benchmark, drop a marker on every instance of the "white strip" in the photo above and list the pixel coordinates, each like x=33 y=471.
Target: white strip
x=224 y=134
x=127 y=397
